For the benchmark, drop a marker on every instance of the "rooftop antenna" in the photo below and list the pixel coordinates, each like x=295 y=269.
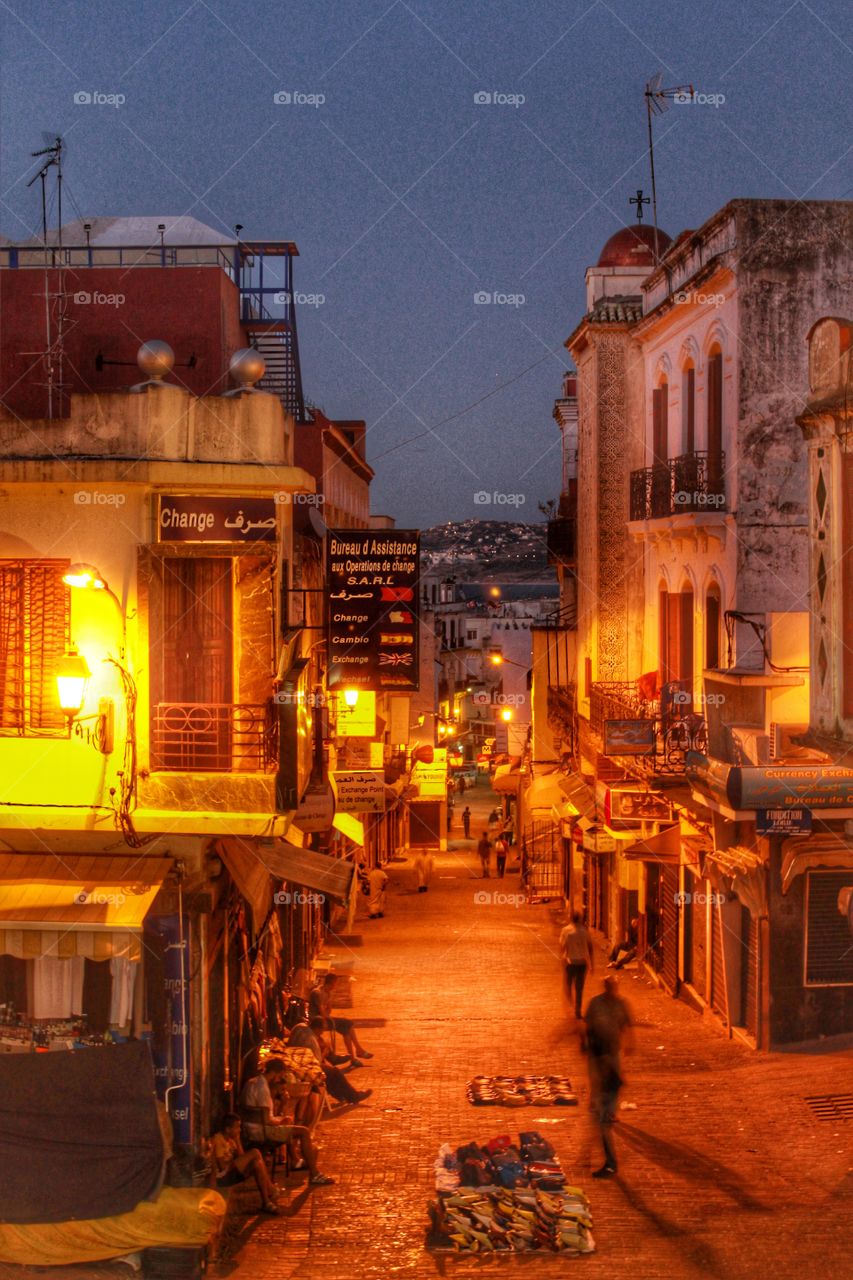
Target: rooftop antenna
x=657 y=102
x=54 y=351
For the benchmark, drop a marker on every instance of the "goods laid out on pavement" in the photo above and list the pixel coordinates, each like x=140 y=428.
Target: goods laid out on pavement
x=521 y=1091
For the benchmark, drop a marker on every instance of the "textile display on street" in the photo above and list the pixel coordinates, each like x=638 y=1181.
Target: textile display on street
x=530 y=1162
x=494 y=1219
x=521 y=1091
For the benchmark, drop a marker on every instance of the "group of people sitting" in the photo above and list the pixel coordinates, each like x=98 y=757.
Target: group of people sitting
x=312 y=1057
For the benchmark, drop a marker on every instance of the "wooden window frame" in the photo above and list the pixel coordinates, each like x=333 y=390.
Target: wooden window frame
x=39 y=641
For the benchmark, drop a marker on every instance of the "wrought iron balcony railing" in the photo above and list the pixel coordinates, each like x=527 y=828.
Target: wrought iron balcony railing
x=676 y=729
x=214 y=737
x=693 y=482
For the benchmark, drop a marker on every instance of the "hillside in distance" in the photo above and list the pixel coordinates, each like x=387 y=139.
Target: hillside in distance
x=487 y=550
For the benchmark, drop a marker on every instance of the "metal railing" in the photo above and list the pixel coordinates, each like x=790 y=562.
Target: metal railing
x=677 y=728
x=214 y=737
x=561 y=710
x=692 y=482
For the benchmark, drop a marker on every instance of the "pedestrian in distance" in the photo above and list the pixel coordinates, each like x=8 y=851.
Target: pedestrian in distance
x=462 y=784
x=449 y=814
x=609 y=1030
x=377 y=881
x=466 y=822
x=484 y=853
x=577 y=954
x=423 y=868
x=501 y=850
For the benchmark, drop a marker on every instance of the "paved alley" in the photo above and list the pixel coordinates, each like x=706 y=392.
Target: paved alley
x=724 y=1171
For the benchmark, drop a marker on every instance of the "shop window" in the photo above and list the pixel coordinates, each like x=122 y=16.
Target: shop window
x=828 y=941
x=34 y=632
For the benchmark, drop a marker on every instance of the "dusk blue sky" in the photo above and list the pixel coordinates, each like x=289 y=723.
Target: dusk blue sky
x=406 y=197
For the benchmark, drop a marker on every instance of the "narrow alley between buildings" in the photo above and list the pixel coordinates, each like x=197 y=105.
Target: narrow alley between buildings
x=718 y=1146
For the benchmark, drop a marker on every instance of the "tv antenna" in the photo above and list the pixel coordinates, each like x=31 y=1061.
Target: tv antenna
x=657 y=102
x=53 y=151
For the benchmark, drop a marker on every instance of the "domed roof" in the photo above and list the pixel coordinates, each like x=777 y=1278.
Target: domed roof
x=633 y=247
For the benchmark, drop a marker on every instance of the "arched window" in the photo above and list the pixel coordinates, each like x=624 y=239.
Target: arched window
x=713 y=616
x=688 y=408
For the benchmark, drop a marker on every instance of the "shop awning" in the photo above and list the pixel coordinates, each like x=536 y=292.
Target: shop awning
x=800 y=854
x=349 y=826
x=506 y=780
x=664 y=847
x=317 y=871
x=78 y=891
x=553 y=791
x=250 y=874
x=741 y=871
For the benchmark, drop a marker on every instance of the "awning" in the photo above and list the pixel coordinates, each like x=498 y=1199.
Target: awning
x=78 y=891
x=741 y=871
x=349 y=826
x=252 y=864
x=506 y=780
x=66 y=905
x=324 y=874
x=800 y=854
x=664 y=847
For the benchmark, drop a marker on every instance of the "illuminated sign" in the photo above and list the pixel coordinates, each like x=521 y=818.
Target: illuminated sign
x=372 y=577
x=359 y=790
x=215 y=518
x=822 y=786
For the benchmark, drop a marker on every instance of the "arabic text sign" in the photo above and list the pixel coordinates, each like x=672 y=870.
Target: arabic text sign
x=629 y=737
x=215 y=518
x=785 y=822
x=791 y=786
x=373 y=598
x=359 y=791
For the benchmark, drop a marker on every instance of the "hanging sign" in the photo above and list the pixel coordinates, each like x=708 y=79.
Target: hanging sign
x=629 y=737
x=215 y=518
x=783 y=822
x=373 y=596
x=359 y=790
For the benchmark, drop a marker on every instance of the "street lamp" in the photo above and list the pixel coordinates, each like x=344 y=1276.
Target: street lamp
x=351 y=697
x=72 y=676
x=85 y=577
x=506 y=714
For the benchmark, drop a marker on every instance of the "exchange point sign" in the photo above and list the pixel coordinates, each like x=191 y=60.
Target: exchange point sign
x=372 y=609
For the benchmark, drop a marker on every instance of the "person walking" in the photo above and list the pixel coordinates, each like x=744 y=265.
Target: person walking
x=501 y=850
x=466 y=822
x=576 y=950
x=449 y=813
x=484 y=853
x=377 y=880
x=423 y=868
x=461 y=784
x=609 y=1029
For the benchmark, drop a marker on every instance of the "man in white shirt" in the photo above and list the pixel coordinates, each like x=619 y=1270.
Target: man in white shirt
x=576 y=950
x=268 y=1127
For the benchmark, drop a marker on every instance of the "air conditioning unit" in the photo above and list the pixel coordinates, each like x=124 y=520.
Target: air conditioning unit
x=783 y=747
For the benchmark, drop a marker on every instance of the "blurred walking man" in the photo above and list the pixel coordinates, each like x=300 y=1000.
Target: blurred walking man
x=576 y=950
x=609 y=1028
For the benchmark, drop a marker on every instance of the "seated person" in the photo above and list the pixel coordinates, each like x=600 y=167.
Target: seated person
x=320 y=1006
x=266 y=1126
x=625 y=950
x=231 y=1164
x=311 y=1037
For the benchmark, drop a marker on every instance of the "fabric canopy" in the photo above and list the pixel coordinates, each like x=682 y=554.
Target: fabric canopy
x=89 y=892
x=349 y=826
x=312 y=870
x=250 y=874
x=664 y=847
x=79 y=1133
x=100 y=944
x=506 y=780
x=741 y=871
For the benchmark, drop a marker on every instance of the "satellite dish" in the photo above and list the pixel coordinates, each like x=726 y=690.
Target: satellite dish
x=318 y=524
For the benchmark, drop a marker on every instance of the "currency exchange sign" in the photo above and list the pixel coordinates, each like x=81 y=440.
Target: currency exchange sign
x=372 y=577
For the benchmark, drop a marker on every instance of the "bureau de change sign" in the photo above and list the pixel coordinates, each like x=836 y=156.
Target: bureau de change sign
x=373 y=599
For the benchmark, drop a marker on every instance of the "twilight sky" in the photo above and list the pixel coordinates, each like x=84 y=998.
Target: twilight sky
x=407 y=197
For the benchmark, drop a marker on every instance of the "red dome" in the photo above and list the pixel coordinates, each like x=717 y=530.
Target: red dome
x=633 y=247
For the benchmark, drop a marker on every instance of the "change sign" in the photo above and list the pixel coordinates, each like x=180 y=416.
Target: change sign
x=373 y=598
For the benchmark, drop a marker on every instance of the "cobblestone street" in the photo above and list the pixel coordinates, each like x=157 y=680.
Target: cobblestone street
x=724 y=1170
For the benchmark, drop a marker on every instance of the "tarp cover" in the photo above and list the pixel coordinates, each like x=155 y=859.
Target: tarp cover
x=79 y=1133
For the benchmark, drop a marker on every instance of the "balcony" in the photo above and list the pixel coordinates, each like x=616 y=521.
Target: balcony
x=692 y=483
x=210 y=737
x=676 y=729
x=562 y=541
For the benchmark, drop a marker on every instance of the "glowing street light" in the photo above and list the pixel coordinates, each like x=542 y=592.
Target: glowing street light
x=72 y=676
x=351 y=697
x=506 y=714
x=85 y=577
